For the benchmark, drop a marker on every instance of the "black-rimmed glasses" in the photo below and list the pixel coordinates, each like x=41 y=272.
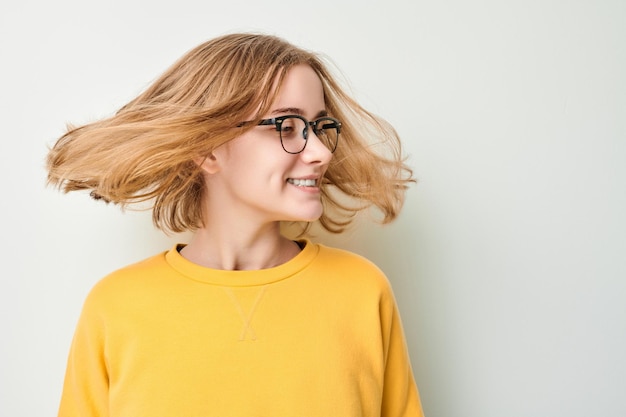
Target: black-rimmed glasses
x=294 y=131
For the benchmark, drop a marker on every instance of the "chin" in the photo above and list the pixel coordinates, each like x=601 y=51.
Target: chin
x=300 y=211
x=310 y=216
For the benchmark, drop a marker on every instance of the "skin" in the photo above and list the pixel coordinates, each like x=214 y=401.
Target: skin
x=249 y=192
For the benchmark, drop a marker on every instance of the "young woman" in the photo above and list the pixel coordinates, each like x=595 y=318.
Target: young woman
x=244 y=133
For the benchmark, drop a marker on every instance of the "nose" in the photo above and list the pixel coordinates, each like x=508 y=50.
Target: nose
x=315 y=151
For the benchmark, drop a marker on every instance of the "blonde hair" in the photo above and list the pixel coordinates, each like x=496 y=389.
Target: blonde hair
x=145 y=151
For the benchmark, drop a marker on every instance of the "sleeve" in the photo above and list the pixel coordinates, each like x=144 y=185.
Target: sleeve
x=85 y=389
x=400 y=394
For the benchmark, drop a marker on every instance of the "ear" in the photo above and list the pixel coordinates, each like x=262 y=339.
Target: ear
x=208 y=163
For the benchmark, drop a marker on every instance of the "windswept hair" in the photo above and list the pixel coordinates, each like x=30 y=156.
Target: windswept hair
x=145 y=152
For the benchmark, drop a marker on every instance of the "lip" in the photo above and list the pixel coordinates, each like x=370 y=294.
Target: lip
x=315 y=177
x=307 y=177
x=311 y=189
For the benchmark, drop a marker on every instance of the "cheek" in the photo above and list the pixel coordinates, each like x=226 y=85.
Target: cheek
x=234 y=155
x=256 y=157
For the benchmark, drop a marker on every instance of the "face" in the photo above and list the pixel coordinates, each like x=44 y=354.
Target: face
x=254 y=179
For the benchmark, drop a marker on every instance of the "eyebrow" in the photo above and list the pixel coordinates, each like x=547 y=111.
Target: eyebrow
x=299 y=112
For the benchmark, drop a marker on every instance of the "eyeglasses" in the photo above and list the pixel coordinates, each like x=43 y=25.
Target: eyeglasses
x=294 y=131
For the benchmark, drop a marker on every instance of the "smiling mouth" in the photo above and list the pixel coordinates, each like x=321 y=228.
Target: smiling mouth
x=302 y=183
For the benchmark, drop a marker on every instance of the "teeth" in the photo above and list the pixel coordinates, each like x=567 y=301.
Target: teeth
x=301 y=183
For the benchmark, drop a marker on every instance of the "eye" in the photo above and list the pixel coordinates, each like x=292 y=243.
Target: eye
x=289 y=128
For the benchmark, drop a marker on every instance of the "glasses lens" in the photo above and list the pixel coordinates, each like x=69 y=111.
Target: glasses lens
x=292 y=134
x=327 y=131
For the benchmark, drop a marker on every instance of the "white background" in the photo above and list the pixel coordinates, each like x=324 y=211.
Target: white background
x=509 y=260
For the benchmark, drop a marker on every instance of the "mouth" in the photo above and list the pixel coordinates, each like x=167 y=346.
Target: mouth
x=302 y=182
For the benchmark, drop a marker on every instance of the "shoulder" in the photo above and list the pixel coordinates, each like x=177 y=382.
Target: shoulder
x=352 y=268
x=130 y=279
x=346 y=257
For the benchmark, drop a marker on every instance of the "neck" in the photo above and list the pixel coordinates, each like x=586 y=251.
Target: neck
x=234 y=249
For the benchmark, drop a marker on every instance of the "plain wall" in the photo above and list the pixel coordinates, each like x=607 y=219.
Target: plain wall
x=509 y=260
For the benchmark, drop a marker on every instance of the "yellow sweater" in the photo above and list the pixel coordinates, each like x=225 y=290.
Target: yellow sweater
x=317 y=336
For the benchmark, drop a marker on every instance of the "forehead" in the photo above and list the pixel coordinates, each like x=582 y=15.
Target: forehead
x=301 y=89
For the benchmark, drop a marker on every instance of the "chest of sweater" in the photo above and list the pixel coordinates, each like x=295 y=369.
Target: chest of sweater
x=313 y=348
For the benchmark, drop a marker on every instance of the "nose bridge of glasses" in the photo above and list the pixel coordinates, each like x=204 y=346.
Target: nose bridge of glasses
x=323 y=137
x=312 y=126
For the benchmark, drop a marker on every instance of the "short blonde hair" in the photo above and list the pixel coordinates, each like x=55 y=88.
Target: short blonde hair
x=145 y=151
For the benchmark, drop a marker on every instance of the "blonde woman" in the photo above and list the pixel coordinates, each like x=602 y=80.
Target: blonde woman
x=244 y=133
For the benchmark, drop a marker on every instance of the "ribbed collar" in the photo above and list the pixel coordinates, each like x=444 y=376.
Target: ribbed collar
x=242 y=278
